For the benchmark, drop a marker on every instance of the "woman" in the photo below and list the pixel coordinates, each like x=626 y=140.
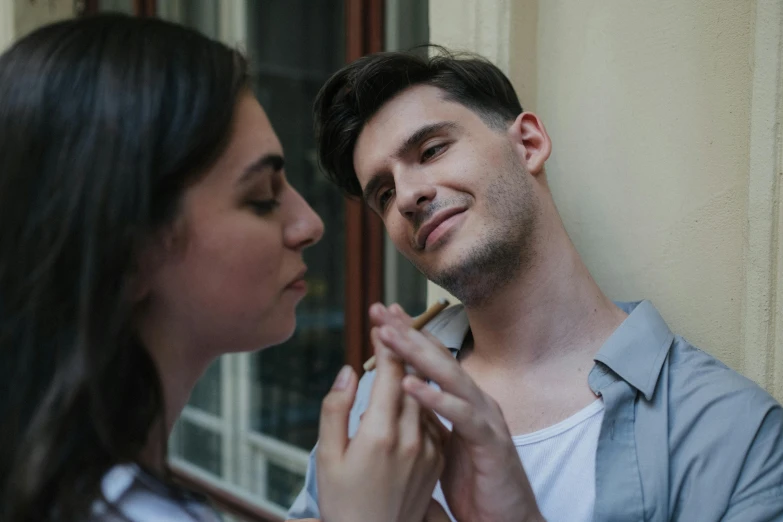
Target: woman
x=147 y=227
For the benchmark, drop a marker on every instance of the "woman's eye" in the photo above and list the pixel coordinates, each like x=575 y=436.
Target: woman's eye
x=384 y=198
x=263 y=207
x=431 y=152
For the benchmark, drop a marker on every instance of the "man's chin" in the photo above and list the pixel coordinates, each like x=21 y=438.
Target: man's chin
x=452 y=279
x=478 y=276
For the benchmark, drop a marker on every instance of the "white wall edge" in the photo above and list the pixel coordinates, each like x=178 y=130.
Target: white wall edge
x=763 y=254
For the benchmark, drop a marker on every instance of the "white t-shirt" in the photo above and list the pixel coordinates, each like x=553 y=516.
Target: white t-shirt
x=139 y=497
x=560 y=464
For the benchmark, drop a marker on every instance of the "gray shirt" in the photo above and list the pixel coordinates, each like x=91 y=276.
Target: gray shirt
x=683 y=436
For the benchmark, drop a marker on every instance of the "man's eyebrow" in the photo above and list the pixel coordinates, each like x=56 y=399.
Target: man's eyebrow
x=272 y=161
x=421 y=134
x=410 y=143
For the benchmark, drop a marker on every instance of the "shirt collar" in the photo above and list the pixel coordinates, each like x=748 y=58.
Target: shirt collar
x=635 y=351
x=450 y=327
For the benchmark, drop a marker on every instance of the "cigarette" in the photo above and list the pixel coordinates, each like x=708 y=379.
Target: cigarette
x=418 y=324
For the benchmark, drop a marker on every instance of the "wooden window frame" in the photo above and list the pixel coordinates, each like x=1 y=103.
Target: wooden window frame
x=140 y=7
x=364 y=243
x=364 y=239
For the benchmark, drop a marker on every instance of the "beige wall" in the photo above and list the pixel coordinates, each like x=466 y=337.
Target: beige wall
x=30 y=14
x=6 y=24
x=665 y=163
x=19 y=17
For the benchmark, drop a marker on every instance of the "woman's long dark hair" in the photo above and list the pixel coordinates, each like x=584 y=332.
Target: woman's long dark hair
x=103 y=123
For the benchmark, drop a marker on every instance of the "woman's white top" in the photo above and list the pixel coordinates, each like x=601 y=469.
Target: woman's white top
x=133 y=495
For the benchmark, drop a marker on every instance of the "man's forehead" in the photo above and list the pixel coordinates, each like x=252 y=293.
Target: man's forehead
x=411 y=106
x=397 y=119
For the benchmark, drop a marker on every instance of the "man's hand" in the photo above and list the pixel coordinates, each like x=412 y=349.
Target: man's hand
x=483 y=479
x=388 y=471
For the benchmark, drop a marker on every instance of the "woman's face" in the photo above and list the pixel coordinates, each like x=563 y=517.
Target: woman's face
x=229 y=274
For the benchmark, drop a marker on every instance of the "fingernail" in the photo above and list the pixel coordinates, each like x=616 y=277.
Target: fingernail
x=343 y=377
x=387 y=333
x=410 y=384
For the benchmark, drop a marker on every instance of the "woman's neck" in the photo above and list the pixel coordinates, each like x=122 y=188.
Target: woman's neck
x=179 y=368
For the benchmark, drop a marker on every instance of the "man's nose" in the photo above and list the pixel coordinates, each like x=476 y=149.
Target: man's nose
x=413 y=196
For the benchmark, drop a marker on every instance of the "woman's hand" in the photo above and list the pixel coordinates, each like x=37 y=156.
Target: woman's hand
x=388 y=471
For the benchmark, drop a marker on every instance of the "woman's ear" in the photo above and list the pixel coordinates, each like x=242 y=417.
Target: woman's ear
x=150 y=256
x=531 y=141
x=141 y=274
x=155 y=251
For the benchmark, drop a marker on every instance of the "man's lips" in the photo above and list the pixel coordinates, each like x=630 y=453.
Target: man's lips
x=426 y=229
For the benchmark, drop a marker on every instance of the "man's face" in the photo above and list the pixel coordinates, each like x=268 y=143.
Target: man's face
x=453 y=192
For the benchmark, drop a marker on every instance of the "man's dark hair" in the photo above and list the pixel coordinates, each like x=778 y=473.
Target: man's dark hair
x=357 y=91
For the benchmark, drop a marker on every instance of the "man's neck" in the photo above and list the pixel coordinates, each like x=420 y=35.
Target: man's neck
x=533 y=344
x=552 y=312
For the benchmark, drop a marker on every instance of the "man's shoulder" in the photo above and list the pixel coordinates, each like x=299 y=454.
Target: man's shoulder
x=708 y=401
x=691 y=376
x=721 y=425
x=695 y=374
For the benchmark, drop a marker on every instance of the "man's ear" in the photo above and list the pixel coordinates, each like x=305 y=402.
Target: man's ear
x=531 y=141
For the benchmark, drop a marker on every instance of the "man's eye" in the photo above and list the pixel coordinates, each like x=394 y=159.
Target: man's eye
x=433 y=151
x=384 y=197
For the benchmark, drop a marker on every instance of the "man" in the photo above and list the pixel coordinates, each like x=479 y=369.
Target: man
x=613 y=416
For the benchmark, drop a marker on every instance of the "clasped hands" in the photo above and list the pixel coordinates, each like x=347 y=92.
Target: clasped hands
x=388 y=470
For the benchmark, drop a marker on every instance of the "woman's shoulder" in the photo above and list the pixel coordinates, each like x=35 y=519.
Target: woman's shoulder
x=130 y=494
